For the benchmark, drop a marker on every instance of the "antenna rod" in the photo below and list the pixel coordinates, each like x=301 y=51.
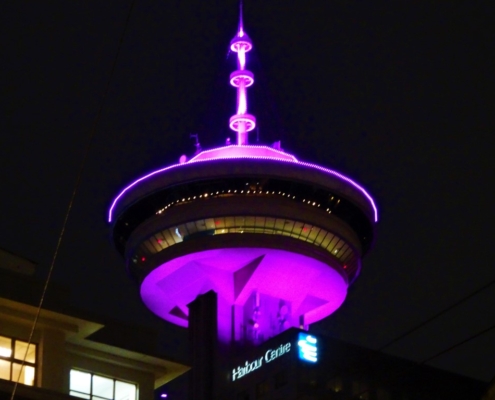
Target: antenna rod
x=241 y=122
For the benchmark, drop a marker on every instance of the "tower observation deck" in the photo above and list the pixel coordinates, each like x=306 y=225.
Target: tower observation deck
x=278 y=239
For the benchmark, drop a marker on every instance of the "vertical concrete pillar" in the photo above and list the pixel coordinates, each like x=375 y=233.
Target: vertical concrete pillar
x=53 y=373
x=203 y=335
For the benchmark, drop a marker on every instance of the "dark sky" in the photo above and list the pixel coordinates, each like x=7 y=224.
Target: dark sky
x=398 y=95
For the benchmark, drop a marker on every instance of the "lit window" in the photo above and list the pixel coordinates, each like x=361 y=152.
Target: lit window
x=86 y=385
x=12 y=353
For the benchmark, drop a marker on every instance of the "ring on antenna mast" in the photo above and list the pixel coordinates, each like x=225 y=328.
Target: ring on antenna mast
x=249 y=121
x=236 y=76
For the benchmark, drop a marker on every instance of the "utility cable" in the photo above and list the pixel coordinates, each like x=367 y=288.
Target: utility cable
x=437 y=315
x=430 y=358
x=71 y=201
x=426 y=360
x=440 y=353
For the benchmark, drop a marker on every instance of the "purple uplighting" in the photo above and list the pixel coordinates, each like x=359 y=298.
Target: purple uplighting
x=301 y=284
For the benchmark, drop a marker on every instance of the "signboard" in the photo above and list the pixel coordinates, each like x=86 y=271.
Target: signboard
x=269 y=356
x=308 y=347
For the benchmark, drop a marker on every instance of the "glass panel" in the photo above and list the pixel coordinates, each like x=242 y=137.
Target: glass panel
x=286 y=232
x=298 y=226
x=327 y=240
x=168 y=237
x=210 y=223
x=26 y=376
x=220 y=223
x=279 y=225
x=125 y=391
x=5 y=346
x=269 y=223
x=80 y=395
x=29 y=375
x=200 y=225
x=239 y=222
x=249 y=221
x=80 y=381
x=346 y=250
x=305 y=231
x=337 y=247
x=320 y=237
x=4 y=369
x=289 y=226
x=260 y=221
x=102 y=387
x=332 y=243
x=20 y=351
x=160 y=241
x=173 y=234
x=148 y=247
x=180 y=232
x=191 y=228
x=313 y=233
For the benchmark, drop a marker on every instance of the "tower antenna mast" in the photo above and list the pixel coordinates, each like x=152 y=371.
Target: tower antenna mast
x=242 y=122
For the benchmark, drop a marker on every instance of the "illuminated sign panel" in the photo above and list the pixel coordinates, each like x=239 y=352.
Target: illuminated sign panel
x=269 y=356
x=308 y=347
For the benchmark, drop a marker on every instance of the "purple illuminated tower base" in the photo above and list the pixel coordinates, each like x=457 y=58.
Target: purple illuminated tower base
x=279 y=240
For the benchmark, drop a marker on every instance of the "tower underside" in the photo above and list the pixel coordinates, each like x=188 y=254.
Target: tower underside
x=261 y=290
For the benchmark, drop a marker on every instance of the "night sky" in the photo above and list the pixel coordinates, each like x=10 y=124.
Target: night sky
x=398 y=95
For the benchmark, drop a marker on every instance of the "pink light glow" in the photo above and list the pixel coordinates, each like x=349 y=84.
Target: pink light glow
x=237 y=44
x=242 y=101
x=241 y=57
x=313 y=288
x=244 y=152
x=248 y=121
x=237 y=76
x=241 y=45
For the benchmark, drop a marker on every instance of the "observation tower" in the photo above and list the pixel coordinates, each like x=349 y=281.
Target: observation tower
x=278 y=239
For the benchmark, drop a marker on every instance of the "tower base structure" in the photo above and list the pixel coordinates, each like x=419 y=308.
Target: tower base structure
x=203 y=338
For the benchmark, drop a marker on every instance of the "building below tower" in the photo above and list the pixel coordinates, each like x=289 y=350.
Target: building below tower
x=297 y=365
x=72 y=354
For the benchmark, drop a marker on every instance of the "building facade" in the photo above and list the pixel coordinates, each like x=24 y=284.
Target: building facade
x=70 y=355
x=297 y=365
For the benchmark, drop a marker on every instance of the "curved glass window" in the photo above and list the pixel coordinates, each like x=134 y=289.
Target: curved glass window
x=248 y=224
x=310 y=195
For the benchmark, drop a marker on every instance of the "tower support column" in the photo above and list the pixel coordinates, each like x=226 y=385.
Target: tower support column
x=203 y=337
